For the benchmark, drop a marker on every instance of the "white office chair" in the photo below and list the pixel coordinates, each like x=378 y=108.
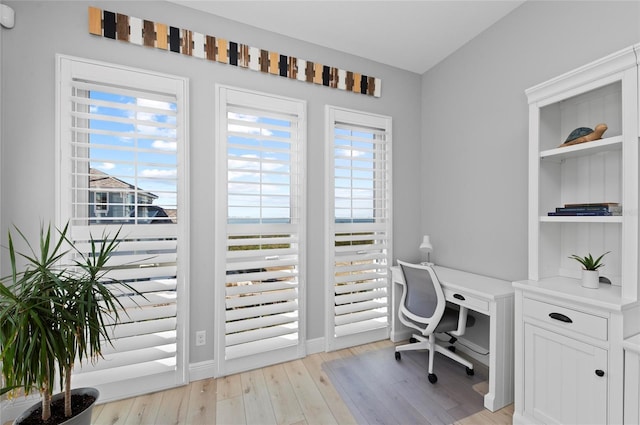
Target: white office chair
x=423 y=307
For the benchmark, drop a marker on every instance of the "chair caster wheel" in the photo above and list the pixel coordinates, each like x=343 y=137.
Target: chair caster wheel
x=470 y=372
x=433 y=378
x=413 y=340
x=398 y=355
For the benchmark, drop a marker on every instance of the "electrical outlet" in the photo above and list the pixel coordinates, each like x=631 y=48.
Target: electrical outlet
x=201 y=337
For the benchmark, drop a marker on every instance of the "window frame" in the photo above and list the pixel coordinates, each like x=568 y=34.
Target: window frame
x=69 y=69
x=364 y=120
x=298 y=201
x=101 y=202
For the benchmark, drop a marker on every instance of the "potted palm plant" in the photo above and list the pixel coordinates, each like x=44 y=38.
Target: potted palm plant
x=590 y=272
x=52 y=314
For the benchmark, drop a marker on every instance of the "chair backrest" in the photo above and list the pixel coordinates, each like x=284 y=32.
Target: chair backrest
x=422 y=301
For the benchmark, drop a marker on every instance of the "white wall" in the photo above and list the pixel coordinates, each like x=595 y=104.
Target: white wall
x=467 y=164
x=45 y=28
x=475 y=125
x=475 y=129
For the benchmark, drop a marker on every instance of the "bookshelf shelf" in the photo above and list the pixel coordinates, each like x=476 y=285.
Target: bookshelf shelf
x=583 y=149
x=575 y=219
x=597 y=172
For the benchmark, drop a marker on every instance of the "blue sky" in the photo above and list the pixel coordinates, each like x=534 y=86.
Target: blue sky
x=260 y=153
x=118 y=144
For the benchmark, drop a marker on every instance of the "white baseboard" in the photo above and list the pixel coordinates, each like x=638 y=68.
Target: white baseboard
x=11 y=409
x=401 y=335
x=315 y=346
x=202 y=370
x=207 y=369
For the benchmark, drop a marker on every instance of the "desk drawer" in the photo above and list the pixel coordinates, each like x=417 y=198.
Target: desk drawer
x=466 y=300
x=566 y=318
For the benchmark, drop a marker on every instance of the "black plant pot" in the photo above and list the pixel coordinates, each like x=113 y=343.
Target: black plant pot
x=81 y=418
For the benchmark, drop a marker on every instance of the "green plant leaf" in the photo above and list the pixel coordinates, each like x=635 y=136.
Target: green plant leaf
x=588 y=263
x=52 y=314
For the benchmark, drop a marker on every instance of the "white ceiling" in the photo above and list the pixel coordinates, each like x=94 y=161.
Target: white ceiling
x=411 y=35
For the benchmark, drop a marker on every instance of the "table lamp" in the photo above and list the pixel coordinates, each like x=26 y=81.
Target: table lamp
x=426 y=246
x=7 y=16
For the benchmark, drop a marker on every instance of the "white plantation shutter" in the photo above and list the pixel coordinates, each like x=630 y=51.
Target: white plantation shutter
x=359 y=211
x=261 y=151
x=122 y=149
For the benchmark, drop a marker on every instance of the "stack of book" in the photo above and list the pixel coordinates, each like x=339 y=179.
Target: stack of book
x=592 y=209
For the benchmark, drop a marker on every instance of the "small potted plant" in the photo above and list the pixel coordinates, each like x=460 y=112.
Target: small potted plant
x=53 y=313
x=590 y=272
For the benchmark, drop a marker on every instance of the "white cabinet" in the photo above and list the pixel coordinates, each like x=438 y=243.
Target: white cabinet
x=632 y=380
x=567 y=375
x=566 y=336
x=568 y=384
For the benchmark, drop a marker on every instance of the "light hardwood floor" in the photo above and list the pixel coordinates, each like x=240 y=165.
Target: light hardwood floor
x=297 y=392
x=293 y=393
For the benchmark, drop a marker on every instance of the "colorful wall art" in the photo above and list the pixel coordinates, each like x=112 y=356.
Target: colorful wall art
x=142 y=32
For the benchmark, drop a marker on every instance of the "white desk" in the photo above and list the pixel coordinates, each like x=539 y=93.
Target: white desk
x=486 y=295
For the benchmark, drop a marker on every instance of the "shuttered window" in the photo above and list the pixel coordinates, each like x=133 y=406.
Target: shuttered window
x=359 y=212
x=122 y=151
x=261 y=221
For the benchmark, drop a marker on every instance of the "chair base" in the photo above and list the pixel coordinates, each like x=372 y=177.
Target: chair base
x=428 y=343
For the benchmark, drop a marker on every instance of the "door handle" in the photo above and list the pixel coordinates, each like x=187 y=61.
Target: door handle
x=561 y=317
x=599 y=372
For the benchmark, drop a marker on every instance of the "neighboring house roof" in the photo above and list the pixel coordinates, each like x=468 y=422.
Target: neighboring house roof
x=172 y=213
x=101 y=180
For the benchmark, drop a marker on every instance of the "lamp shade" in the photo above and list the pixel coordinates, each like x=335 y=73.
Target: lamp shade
x=426 y=244
x=7 y=16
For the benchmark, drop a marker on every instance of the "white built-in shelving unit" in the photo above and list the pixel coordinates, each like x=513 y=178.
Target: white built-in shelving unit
x=569 y=364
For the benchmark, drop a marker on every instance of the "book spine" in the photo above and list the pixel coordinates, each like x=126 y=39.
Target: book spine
x=581 y=213
x=596 y=204
x=582 y=209
x=589 y=209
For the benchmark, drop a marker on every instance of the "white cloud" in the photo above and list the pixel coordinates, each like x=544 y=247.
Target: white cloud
x=239 y=128
x=156 y=104
x=156 y=117
x=350 y=152
x=150 y=130
x=243 y=117
x=158 y=173
x=165 y=145
x=106 y=166
x=253 y=164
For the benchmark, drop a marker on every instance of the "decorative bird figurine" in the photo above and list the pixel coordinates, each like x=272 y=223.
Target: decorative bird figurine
x=585 y=134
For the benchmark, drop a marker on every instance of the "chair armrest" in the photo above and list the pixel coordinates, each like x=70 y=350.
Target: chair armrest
x=462 y=322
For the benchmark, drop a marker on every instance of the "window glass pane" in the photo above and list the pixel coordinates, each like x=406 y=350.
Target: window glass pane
x=259 y=166
x=355 y=153
x=126 y=147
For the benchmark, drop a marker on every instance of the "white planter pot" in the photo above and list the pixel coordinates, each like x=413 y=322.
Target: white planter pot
x=82 y=418
x=590 y=279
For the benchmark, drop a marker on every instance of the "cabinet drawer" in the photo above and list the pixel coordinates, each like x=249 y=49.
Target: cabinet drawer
x=466 y=300
x=566 y=318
